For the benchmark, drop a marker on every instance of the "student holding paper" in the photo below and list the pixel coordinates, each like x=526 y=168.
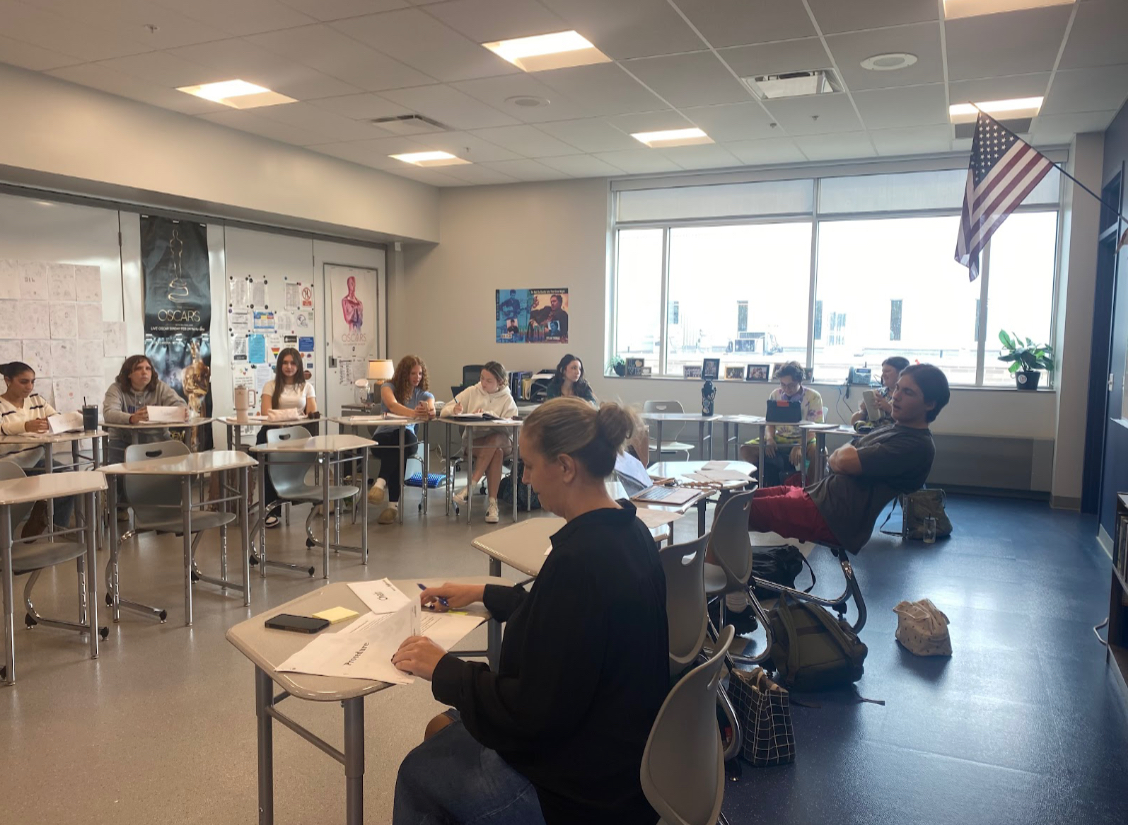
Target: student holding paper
x=490 y=395
x=23 y=410
x=556 y=735
x=288 y=391
x=128 y=399
x=407 y=395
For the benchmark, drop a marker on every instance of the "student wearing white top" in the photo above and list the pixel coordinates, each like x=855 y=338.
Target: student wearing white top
x=128 y=399
x=407 y=396
x=490 y=395
x=23 y=410
x=288 y=391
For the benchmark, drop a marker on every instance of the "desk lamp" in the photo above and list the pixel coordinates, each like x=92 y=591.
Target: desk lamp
x=378 y=372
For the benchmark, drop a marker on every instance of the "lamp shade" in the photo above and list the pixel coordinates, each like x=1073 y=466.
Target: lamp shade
x=380 y=370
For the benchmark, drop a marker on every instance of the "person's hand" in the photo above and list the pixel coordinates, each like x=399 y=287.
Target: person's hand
x=140 y=417
x=796 y=456
x=187 y=413
x=883 y=405
x=770 y=448
x=457 y=408
x=456 y=595
x=37 y=425
x=418 y=656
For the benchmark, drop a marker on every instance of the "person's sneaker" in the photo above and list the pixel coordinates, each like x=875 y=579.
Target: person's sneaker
x=460 y=496
x=376 y=493
x=389 y=516
x=491 y=512
x=36 y=521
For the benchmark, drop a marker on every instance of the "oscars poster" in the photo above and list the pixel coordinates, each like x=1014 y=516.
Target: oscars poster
x=525 y=316
x=174 y=264
x=354 y=320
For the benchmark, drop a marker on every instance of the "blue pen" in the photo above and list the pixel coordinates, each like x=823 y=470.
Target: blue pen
x=441 y=600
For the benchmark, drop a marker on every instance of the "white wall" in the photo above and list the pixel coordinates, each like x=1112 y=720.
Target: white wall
x=60 y=136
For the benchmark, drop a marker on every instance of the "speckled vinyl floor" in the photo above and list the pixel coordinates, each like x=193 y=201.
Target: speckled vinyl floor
x=1023 y=725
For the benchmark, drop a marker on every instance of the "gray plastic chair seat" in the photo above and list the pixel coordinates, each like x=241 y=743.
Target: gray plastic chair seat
x=715 y=579
x=27 y=558
x=313 y=493
x=174 y=522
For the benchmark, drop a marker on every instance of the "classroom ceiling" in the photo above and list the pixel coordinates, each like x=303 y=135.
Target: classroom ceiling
x=676 y=64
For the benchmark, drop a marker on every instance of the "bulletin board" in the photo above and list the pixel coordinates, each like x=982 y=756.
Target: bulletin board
x=264 y=316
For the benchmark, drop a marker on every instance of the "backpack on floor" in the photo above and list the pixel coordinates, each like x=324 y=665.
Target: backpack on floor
x=916 y=507
x=782 y=565
x=813 y=650
x=526 y=498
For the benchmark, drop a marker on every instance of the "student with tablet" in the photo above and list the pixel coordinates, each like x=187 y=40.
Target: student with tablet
x=288 y=391
x=879 y=413
x=407 y=395
x=128 y=399
x=556 y=734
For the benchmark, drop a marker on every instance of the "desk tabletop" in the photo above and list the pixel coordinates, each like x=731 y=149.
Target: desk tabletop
x=378 y=420
x=212 y=461
x=47 y=438
x=158 y=425
x=50 y=485
x=268 y=648
x=741 y=418
x=676 y=416
x=316 y=444
x=677 y=469
x=456 y=421
x=259 y=420
x=522 y=546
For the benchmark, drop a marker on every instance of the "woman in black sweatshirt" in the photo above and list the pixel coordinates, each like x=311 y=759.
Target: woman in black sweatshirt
x=556 y=734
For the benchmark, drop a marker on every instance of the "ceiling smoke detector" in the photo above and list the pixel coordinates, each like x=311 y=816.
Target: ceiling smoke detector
x=794 y=84
x=410 y=124
x=527 y=101
x=890 y=62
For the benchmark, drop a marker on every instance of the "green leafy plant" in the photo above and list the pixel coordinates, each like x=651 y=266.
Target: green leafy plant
x=1028 y=357
x=617 y=365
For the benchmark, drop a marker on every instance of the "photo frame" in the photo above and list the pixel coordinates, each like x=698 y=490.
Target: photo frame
x=635 y=366
x=691 y=370
x=734 y=373
x=757 y=372
x=711 y=369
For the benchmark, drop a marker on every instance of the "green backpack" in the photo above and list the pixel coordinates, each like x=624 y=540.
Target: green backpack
x=813 y=650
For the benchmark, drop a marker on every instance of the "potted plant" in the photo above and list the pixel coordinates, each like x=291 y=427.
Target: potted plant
x=618 y=365
x=1027 y=360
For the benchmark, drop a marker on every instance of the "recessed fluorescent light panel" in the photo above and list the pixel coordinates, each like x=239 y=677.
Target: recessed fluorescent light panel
x=238 y=94
x=672 y=137
x=430 y=159
x=1019 y=107
x=973 y=8
x=794 y=84
x=541 y=52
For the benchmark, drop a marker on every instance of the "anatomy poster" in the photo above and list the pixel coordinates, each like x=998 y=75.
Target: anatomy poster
x=531 y=316
x=353 y=316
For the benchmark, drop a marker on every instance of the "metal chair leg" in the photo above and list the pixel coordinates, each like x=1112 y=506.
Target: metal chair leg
x=32 y=618
x=838 y=604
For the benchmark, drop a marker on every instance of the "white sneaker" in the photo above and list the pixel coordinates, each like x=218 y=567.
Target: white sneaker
x=377 y=492
x=389 y=516
x=491 y=512
x=460 y=496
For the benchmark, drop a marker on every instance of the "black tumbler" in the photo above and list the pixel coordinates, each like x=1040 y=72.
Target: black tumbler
x=90 y=417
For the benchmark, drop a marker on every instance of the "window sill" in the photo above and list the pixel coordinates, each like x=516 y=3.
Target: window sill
x=819 y=384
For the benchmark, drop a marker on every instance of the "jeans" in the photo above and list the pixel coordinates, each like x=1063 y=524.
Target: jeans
x=388 y=452
x=64 y=506
x=451 y=779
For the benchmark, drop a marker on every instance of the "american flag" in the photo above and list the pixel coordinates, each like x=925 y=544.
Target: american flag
x=1002 y=172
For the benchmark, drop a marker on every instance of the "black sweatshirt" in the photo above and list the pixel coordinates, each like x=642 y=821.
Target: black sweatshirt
x=584 y=669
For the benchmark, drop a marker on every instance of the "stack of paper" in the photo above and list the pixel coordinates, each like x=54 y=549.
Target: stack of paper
x=167 y=415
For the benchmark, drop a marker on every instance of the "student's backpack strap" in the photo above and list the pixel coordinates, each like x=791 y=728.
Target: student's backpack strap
x=893 y=510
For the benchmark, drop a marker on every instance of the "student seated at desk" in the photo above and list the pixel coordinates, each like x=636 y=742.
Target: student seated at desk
x=405 y=395
x=490 y=395
x=783 y=450
x=890 y=368
x=23 y=410
x=569 y=381
x=288 y=391
x=128 y=399
x=556 y=735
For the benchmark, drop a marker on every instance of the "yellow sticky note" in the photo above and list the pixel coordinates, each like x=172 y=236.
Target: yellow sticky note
x=336 y=614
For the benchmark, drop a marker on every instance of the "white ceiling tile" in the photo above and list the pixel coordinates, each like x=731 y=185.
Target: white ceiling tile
x=132 y=18
x=701 y=157
x=1058 y=129
x=485 y=21
x=324 y=48
x=434 y=177
x=449 y=106
x=371 y=152
x=339 y=9
x=764 y=152
x=361 y=107
x=639 y=161
x=1097 y=36
x=413 y=37
x=651 y=122
x=238 y=58
x=916 y=140
x=466 y=146
x=328 y=125
x=815 y=115
x=582 y=166
x=628 y=28
x=239 y=17
x=1087 y=90
x=476 y=174
x=740 y=121
x=97 y=76
x=591 y=135
x=992 y=45
x=777 y=58
x=247 y=121
x=922 y=40
x=836 y=147
x=602 y=89
x=904 y=106
x=527 y=141
x=66 y=35
x=738 y=22
x=835 y=16
x=497 y=91
x=27 y=56
x=998 y=88
x=525 y=170
x=697 y=79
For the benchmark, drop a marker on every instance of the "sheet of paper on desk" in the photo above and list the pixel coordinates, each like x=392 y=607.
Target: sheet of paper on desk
x=166 y=415
x=381 y=596
x=654 y=518
x=65 y=422
x=720 y=475
x=447 y=630
x=715 y=465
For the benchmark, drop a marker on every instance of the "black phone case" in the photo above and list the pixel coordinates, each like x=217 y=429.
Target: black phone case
x=278 y=623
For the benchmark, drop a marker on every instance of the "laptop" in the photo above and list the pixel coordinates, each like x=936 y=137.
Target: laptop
x=636 y=481
x=784 y=412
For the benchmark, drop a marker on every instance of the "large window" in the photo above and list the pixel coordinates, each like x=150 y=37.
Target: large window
x=834 y=273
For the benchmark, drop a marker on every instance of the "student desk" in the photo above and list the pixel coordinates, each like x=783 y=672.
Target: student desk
x=681 y=469
x=328 y=450
x=235 y=426
x=735 y=421
x=268 y=648
x=36 y=488
x=187 y=468
x=354 y=423
x=192 y=425
x=701 y=420
x=763 y=424
x=471 y=425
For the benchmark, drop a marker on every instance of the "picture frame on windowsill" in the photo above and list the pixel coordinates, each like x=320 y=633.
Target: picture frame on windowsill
x=711 y=369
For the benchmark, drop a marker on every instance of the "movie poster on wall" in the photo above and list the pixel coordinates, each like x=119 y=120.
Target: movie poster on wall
x=174 y=264
x=531 y=316
x=353 y=311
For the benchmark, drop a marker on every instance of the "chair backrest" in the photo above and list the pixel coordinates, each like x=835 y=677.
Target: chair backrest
x=728 y=540
x=683 y=765
x=471 y=374
x=10 y=470
x=153 y=498
x=686 y=607
x=670 y=430
x=288 y=471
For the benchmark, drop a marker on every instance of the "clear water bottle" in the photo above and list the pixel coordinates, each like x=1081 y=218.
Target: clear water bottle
x=929 y=530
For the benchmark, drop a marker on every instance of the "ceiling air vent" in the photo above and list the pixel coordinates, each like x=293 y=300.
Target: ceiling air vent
x=410 y=124
x=794 y=84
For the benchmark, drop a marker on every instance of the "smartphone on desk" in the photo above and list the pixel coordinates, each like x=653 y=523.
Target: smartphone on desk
x=296 y=624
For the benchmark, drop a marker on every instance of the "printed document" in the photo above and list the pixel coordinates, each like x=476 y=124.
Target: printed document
x=381 y=596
